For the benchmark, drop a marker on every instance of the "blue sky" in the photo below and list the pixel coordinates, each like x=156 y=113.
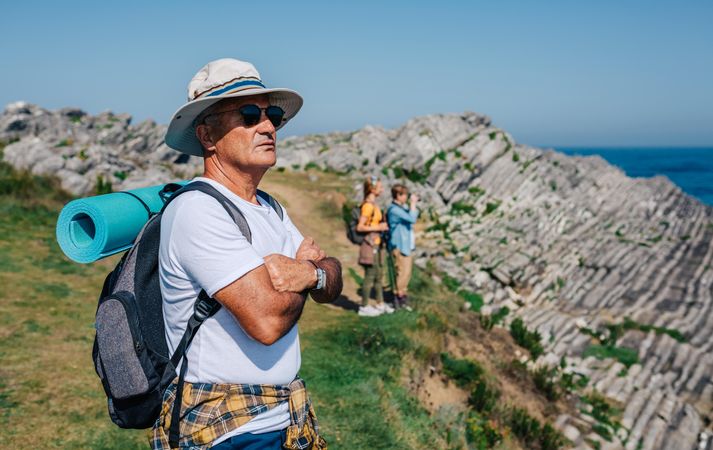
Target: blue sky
x=561 y=73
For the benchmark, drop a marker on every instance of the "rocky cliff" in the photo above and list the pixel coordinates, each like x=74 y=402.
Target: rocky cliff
x=615 y=273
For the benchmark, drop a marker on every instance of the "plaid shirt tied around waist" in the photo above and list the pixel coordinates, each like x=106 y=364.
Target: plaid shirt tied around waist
x=210 y=410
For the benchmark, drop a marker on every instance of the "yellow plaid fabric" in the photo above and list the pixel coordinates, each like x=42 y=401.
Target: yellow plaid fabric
x=209 y=411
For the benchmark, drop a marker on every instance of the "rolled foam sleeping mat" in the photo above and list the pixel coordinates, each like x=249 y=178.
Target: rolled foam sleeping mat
x=92 y=228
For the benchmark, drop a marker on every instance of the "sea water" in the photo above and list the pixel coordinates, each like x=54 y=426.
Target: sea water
x=690 y=168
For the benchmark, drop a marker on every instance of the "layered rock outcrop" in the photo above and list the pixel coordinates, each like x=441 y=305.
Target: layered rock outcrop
x=570 y=244
x=84 y=150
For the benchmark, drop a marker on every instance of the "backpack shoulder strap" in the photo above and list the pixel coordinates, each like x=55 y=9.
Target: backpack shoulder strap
x=232 y=210
x=272 y=202
x=204 y=307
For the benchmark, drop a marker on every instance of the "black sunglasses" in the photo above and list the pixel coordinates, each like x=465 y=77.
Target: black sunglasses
x=251 y=114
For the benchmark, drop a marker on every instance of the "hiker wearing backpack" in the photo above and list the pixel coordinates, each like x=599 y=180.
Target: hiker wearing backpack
x=241 y=388
x=401 y=217
x=372 y=225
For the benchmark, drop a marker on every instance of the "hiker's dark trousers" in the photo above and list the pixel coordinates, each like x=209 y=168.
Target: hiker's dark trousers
x=272 y=440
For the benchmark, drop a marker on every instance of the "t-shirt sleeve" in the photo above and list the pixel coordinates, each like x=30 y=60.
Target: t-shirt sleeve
x=209 y=246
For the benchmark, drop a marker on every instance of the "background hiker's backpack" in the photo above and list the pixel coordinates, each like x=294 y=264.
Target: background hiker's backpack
x=130 y=351
x=353 y=235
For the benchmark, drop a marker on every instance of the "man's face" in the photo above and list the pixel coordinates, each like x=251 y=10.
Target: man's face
x=239 y=145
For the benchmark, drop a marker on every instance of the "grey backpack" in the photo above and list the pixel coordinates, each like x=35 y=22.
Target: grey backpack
x=130 y=352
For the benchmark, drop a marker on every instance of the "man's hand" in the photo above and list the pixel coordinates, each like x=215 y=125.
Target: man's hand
x=414 y=199
x=290 y=275
x=309 y=250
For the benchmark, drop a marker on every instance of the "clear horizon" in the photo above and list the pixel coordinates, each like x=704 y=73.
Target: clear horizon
x=606 y=75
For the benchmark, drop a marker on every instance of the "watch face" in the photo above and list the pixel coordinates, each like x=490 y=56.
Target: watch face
x=321 y=275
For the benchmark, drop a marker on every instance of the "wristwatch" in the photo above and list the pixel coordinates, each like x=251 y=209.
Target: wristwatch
x=321 y=276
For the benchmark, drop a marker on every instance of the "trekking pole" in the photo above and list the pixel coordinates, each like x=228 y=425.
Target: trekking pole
x=391 y=269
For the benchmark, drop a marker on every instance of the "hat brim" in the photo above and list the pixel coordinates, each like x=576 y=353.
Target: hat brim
x=181 y=133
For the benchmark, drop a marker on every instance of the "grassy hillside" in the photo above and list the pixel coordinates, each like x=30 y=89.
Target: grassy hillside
x=432 y=378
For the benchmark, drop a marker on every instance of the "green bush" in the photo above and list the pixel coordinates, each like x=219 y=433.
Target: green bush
x=533 y=434
x=65 y=142
x=482 y=434
x=604 y=413
x=490 y=207
x=458 y=208
x=489 y=321
x=523 y=426
x=545 y=379
x=531 y=340
x=451 y=283
x=476 y=190
x=103 y=186
x=484 y=398
x=463 y=372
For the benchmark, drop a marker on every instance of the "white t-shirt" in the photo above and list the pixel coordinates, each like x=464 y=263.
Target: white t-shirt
x=202 y=248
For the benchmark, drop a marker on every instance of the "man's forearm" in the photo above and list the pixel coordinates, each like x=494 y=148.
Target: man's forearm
x=333 y=283
x=293 y=304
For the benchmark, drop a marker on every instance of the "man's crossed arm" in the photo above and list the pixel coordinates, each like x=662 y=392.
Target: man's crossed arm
x=299 y=274
x=268 y=300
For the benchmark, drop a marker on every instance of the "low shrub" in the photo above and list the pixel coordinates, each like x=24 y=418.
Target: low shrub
x=482 y=434
x=484 y=398
x=530 y=340
x=463 y=372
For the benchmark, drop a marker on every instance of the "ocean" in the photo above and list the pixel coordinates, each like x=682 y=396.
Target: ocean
x=690 y=168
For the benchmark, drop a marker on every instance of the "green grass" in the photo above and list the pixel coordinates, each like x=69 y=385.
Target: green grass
x=352 y=365
x=458 y=208
x=473 y=298
x=630 y=324
x=476 y=191
x=451 y=283
x=355 y=366
x=605 y=414
x=626 y=356
x=48 y=315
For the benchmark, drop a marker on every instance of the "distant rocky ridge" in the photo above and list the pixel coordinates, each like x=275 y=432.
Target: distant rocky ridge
x=569 y=244
x=81 y=149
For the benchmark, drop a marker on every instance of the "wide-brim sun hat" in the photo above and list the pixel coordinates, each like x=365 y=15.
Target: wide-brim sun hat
x=218 y=80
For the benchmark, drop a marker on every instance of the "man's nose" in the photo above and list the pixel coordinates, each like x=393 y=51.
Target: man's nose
x=265 y=125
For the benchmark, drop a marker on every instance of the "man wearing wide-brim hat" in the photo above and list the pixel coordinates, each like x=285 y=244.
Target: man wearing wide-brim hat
x=242 y=389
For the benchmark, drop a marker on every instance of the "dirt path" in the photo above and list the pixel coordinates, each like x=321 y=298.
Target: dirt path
x=315 y=208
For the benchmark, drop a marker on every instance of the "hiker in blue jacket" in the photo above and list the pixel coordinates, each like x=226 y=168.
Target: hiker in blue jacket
x=402 y=242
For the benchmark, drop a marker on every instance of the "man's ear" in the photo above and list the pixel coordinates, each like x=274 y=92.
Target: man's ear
x=204 y=137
